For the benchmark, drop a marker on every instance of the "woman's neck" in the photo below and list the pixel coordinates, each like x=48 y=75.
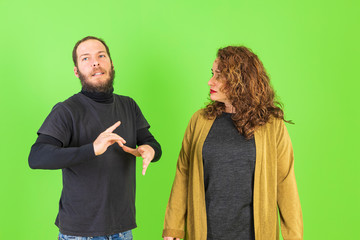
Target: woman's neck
x=229 y=108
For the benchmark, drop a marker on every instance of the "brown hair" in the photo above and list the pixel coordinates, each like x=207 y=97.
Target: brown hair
x=74 y=55
x=247 y=86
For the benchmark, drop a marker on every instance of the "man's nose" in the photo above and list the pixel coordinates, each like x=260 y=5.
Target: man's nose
x=95 y=64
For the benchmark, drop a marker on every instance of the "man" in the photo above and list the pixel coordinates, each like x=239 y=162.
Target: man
x=92 y=137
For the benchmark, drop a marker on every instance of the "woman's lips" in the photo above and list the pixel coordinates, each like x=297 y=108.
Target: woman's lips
x=212 y=91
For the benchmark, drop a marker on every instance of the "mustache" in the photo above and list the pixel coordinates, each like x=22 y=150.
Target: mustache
x=98 y=69
x=104 y=87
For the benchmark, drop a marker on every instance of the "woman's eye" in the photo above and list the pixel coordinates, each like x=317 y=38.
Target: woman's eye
x=102 y=56
x=84 y=59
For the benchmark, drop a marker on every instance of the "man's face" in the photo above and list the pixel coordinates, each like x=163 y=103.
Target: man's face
x=94 y=67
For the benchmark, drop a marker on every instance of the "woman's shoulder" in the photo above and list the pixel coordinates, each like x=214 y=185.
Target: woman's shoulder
x=198 y=119
x=273 y=125
x=199 y=115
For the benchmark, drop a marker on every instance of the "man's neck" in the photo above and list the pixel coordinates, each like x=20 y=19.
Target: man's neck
x=100 y=97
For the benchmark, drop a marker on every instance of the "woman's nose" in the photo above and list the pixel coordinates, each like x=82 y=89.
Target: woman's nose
x=210 y=82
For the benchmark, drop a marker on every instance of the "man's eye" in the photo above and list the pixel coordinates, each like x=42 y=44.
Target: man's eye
x=102 y=56
x=85 y=59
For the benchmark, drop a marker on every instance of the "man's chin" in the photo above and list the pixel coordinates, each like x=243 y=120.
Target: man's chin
x=105 y=87
x=97 y=88
x=93 y=85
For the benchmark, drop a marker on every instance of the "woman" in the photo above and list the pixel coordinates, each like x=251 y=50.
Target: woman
x=236 y=166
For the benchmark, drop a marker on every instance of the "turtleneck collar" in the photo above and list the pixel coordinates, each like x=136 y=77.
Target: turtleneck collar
x=100 y=97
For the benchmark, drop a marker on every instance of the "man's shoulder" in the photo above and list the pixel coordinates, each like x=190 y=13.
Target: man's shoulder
x=126 y=101
x=123 y=98
x=72 y=105
x=74 y=99
x=69 y=103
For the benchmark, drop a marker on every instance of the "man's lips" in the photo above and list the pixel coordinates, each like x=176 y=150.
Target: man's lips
x=97 y=74
x=212 y=91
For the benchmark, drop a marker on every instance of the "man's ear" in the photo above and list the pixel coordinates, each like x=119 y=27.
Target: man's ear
x=76 y=72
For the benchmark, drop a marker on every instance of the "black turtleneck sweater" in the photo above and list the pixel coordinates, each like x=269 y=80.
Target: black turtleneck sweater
x=98 y=195
x=47 y=147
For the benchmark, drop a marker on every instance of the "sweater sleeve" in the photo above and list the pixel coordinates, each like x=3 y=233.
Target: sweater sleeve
x=175 y=216
x=48 y=153
x=287 y=193
x=145 y=137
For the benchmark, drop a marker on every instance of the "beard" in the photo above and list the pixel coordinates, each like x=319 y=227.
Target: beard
x=106 y=87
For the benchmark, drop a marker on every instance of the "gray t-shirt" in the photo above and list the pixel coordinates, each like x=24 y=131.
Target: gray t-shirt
x=98 y=196
x=229 y=164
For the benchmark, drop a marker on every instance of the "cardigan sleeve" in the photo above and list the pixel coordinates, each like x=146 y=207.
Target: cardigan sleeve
x=287 y=193
x=175 y=216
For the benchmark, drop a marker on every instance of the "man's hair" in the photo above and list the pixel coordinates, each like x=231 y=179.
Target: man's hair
x=74 y=55
x=247 y=86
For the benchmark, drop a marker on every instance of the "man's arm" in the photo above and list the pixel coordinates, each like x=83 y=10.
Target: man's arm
x=145 y=137
x=48 y=152
x=149 y=149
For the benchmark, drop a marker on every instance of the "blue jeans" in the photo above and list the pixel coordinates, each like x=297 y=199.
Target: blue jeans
x=118 y=236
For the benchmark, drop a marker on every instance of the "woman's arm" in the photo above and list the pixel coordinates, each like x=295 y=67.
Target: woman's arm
x=287 y=194
x=175 y=216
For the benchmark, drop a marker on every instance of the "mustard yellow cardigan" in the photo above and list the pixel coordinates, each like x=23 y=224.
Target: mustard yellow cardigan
x=274 y=185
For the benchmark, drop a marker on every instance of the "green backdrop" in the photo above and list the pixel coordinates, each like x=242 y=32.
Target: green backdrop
x=163 y=52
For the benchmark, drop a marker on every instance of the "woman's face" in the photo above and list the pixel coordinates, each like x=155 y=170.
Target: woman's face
x=216 y=83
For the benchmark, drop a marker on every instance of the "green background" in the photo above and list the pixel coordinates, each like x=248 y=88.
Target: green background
x=162 y=53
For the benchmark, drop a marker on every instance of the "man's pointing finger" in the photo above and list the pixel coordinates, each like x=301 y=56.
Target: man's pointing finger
x=113 y=127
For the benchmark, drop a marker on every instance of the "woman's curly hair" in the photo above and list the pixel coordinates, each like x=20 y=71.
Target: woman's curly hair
x=247 y=86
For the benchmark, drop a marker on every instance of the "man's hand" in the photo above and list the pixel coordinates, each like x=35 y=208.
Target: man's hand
x=144 y=151
x=107 y=138
x=171 y=238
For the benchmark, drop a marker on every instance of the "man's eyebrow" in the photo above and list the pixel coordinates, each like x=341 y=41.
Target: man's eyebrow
x=84 y=54
x=89 y=53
